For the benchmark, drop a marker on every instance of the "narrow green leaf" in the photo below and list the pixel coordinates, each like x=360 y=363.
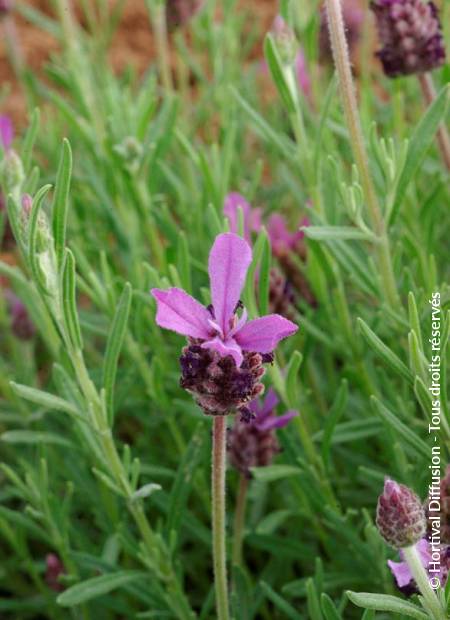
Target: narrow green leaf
x=292 y=377
x=275 y=472
x=35 y=438
x=264 y=277
x=33 y=229
x=329 y=609
x=312 y=600
x=97 y=586
x=384 y=352
x=61 y=201
x=30 y=139
x=333 y=417
x=276 y=69
x=114 y=346
x=337 y=233
x=43 y=399
x=386 y=602
x=285 y=607
x=69 y=300
x=409 y=436
x=418 y=146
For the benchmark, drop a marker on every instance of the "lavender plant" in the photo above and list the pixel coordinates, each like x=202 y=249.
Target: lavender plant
x=312 y=196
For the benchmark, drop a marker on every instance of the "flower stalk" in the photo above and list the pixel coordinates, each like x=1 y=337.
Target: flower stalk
x=421 y=578
x=348 y=95
x=218 y=516
x=429 y=94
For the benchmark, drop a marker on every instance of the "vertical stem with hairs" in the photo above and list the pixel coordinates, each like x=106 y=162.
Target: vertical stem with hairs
x=429 y=94
x=421 y=578
x=239 y=520
x=343 y=69
x=162 y=46
x=218 y=516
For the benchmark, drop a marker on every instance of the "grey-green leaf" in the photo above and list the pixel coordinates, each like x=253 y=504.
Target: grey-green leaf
x=97 y=586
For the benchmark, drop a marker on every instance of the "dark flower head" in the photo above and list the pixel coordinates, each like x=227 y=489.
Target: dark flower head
x=5 y=7
x=54 y=568
x=410 y=34
x=253 y=443
x=400 y=515
x=21 y=324
x=179 y=12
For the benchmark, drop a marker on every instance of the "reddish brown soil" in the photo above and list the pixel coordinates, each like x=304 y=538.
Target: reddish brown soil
x=132 y=44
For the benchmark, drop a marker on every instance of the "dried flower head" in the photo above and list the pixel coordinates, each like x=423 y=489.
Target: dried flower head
x=400 y=515
x=254 y=443
x=229 y=341
x=251 y=217
x=21 y=325
x=411 y=36
x=179 y=12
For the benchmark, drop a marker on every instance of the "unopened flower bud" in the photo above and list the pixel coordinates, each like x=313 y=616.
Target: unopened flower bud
x=400 y=515
x=411 y=36
x=285 y=41
x=130 y=151
x=54 y=568
x=12 y=174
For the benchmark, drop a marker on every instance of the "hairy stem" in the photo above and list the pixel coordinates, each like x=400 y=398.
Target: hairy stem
x=343 y=69
x=239 y=520
x=421 y=578
x=429 y=94
x=218 y=516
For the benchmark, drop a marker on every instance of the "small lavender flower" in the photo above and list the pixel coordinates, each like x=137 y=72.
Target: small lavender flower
x=6 y=7
x=21 y=325
x=6 y=132
x=400 y=515
x=402 y=573
x=222 y=364
x=251 y=217
x=54 y=569
x=254 y=443
x=179 y=12
x=411 y=36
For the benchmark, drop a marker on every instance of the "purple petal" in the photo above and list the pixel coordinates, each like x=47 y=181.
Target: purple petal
x=255 y=407
x=229 y=347
x=262 y=335
x=273 y=421
x=252 y=217
x=178 y=311
x=6 y=132
x=270 y=402
x=229 y=260
x=303 y=78
x=401 y=572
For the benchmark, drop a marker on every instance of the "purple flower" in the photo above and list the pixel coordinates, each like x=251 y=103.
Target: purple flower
x=411 y=36
x=219 y=328
x=5 y=7
x=281 y=239
x=252 y=217
x=254 y=443
x=301 y=71
x=6 y=132
x=402 y=572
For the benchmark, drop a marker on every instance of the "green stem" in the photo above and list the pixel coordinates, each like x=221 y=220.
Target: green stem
x=239 y=520
x=421 y=578
x=162 y=46
x=218 y=516
x=343 y=69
